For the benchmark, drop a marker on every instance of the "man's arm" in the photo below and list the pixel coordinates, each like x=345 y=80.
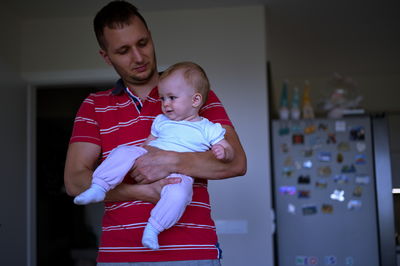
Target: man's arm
x=158 y=163
x=81 y=161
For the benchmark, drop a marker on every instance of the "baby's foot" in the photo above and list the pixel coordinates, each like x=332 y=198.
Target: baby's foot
x=92 y=195
x=150 y=237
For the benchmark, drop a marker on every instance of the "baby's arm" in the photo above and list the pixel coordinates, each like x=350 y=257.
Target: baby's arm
x=223 y=151
x=148 y=140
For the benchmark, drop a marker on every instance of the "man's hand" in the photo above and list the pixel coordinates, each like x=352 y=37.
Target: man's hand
x=156 y=164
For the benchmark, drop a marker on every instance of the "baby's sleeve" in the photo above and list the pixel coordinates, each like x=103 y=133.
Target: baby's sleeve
x=214 y=133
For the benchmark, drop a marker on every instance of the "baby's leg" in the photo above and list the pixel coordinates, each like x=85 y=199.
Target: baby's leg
x=110 y=173
x=168 y=210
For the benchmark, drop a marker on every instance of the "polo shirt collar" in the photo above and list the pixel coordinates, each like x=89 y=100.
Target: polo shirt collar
x=119 y=87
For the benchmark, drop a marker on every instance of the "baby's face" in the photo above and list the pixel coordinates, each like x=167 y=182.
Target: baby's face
x=176 y=97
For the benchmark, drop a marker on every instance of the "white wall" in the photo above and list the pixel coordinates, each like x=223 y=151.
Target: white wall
x=356 y=38
x=230 y=44
x=13 y=234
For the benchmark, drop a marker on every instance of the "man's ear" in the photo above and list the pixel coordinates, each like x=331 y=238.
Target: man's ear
x=197 y=99
x=105 y=56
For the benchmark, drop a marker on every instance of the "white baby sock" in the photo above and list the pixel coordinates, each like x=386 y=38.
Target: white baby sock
x=94 y=194
x=150 y=237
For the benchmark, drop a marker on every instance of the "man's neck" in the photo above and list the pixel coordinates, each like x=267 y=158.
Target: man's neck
x=142 y=90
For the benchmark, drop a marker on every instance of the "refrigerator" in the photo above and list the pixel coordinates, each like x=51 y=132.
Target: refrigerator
x=332 y=197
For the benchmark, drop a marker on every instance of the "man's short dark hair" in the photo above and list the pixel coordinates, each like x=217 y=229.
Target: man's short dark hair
x=114 y=15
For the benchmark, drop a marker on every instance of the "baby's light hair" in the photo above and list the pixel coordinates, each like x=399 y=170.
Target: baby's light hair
x=193 y=75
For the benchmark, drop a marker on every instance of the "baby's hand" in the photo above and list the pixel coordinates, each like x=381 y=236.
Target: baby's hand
x=219 y=151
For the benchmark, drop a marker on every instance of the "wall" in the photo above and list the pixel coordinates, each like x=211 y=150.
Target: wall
x=353 y=38
x=230 y=44
x=13 y=234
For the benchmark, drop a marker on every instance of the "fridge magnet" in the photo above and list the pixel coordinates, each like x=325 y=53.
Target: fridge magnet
x=348 y=169
x=362 y=179
x=307 y=164
x=360 y=159
x=309 y=210
x=310 y=129
x=361 y=146
x=287 y=171
x=297 y=165
x=327 y=208
x=343 y=146
x=303 y=194
x=288 y=161
x=301 y=260
x=291 y=208
x=312 y=260
x=340 y=126
x=354 y=205
x=283 y=131
x=284 y=148
x=321 y=183
x=357 y=192
x=287 y=190
x=296 y=128
x=330 y=260
x=331 y=138
x=324 y=156
x=357 y=133
x=338 y=194
x=322 y=127
x=349 y=261
x=303 y=180
x=341 y=179
x=297 y=139
x=308 y=152
x=324 y=171
x=339 y=157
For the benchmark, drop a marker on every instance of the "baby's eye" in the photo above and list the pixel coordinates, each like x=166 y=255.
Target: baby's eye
x=172 y=97
x=162 y=99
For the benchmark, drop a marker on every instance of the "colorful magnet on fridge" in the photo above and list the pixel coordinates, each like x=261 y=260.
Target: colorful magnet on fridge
x=327 y=208
x=324 y=156
x=357 y=133
x=308 y=152
x=298 y=139
x=284 y=147
x=331 y=138
x=322 y=127
x=362 y=179
x=310 y=129
x=304 y=194
x=349 y=261
x=341 y=179
x=287 y=171
x=357 y=192
x=287 y=190
x=330 y=260
x=361 y=146
x=354 y=205
x=283 y=131
x=324 y=171
x=321 y=183
x=360 y=159
x=348 y=169
x=338 y=194
x=288 y=161
x=303 y=180
x=339 y=158
x=291 y=208
x=340 y=126
x=309 y=209
x=307 y=164
x=343 y=146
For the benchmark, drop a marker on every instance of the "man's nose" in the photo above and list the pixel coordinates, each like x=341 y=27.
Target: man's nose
x=137 y=55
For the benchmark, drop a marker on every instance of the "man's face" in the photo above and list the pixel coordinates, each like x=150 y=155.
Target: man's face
x=130 y=51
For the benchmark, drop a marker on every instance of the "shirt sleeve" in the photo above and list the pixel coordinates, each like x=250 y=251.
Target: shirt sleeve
x=86 y=128
x=214 y=132
x=214 y=111
x=155 y=125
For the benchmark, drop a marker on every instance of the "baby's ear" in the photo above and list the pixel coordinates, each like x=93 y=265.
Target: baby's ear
x=197 y=100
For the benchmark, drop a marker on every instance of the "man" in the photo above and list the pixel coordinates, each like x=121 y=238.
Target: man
x=123 y=116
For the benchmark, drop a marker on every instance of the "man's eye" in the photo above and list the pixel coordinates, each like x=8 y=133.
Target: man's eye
x=143 y=43
x=122 y=52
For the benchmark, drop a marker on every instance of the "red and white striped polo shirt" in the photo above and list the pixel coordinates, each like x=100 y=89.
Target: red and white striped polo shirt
x=111 y=118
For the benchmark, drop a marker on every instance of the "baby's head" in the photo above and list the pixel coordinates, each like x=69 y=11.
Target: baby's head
x=190 y=73
x=183 y=89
